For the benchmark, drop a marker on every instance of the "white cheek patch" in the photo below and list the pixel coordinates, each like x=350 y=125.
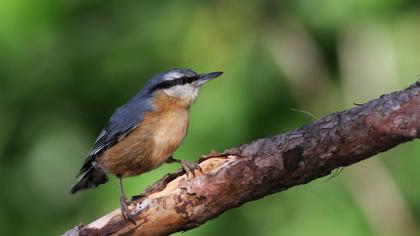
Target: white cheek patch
x=182 y=91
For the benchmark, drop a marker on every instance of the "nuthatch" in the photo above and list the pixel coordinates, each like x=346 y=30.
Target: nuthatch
x=143 y=133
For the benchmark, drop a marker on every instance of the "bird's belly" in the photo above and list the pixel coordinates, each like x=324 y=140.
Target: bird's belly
x=167 y=137
x=148 y=146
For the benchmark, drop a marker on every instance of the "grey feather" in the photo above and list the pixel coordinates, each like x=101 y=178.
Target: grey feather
x=129 y=116
x=124 y=120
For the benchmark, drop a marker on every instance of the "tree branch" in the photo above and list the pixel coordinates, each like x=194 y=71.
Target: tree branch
x=269 y=165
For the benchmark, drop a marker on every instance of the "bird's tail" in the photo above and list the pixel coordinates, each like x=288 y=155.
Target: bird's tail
x=89 y=178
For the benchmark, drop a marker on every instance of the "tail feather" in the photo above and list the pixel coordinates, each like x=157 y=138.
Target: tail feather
x=89 y=178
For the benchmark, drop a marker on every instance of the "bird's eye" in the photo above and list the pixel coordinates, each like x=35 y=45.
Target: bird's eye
x=181 y=81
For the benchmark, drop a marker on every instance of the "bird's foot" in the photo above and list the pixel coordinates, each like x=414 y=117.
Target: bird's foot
x=190 y=168
x=124 y=202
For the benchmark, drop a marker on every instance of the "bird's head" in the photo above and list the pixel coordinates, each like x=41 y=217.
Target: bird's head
x=180 y=83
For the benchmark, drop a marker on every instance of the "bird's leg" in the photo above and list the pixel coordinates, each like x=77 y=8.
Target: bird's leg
x=124 y=202
x=171 y=159
x=186 y=165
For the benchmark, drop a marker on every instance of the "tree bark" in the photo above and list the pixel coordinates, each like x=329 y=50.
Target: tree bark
x=265 y=166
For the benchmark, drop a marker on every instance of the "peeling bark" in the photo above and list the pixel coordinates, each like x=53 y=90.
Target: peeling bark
x=269 y=165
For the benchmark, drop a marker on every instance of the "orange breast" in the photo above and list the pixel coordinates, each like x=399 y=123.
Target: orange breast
x=152 y=143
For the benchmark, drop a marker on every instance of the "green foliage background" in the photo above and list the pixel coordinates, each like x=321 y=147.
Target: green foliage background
x=66 y=65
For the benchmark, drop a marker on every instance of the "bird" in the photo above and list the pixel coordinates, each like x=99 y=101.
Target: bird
x=143 y=133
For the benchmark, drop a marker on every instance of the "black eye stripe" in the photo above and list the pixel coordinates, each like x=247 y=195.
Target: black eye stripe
x=174 y=82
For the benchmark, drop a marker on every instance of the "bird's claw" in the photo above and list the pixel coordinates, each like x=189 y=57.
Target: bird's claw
x=190 y=168
x=124 y=202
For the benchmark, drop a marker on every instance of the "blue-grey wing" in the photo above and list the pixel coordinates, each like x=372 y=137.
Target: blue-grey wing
x=125 y=119
x=111 y=134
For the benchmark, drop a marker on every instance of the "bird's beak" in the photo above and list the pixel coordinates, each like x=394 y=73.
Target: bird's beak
x=206 y=77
